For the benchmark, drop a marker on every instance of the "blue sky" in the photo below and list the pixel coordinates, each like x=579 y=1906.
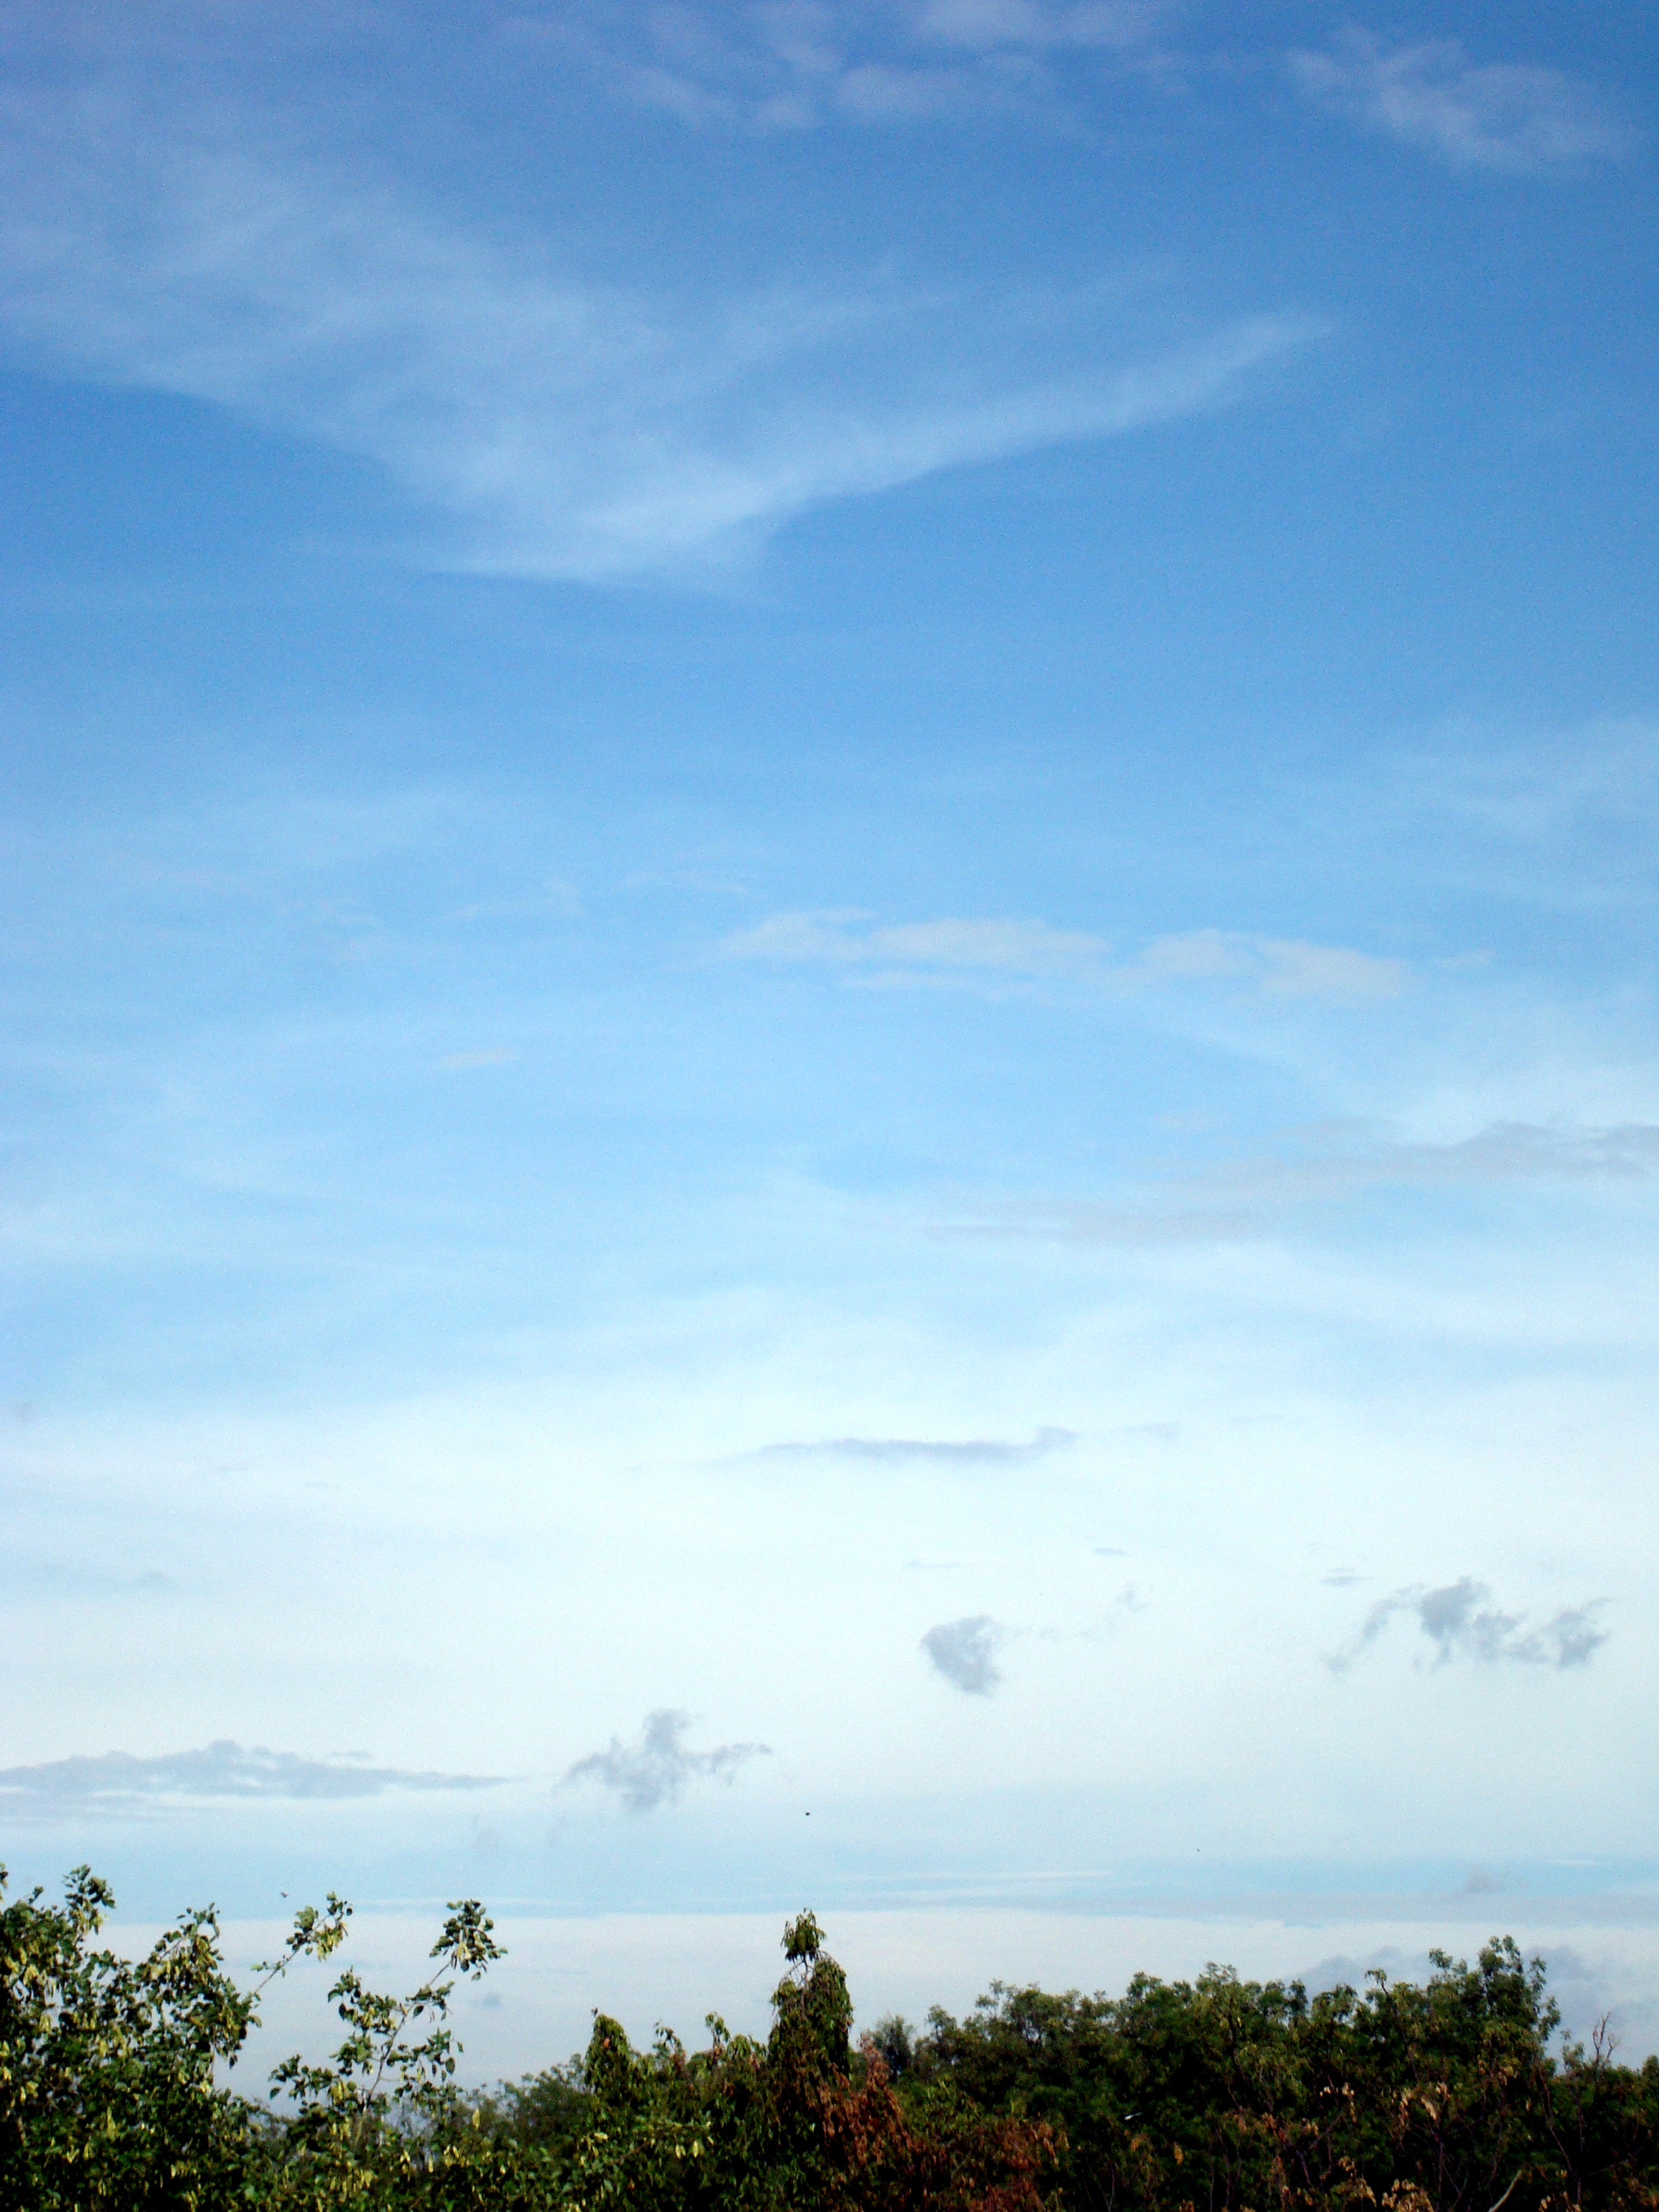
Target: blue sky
x=830 y=837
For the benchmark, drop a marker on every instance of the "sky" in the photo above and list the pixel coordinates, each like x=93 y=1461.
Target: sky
x=828 y=1047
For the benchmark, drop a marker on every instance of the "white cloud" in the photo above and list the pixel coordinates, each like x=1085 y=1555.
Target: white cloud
x=1284 y=967
x=1508 y=117
x=1015 y=948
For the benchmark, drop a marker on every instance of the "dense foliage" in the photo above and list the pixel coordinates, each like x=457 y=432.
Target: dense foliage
x=1174 y=2098
x=1229 y=2094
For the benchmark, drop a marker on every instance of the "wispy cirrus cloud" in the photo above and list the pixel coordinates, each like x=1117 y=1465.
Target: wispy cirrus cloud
x=116 y=1784
x=542 y=423
x=658 y=1768
x=1507 y=116
x=1460 y=1621
x=799 y=65
x=1018 y=950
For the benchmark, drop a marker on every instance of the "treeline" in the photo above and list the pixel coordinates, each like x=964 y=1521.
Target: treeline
x=1175 y=2097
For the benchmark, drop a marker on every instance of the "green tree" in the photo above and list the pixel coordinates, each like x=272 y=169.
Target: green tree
x=108 y=2095
x=1449 y=2096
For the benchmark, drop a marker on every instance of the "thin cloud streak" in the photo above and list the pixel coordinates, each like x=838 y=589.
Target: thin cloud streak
x=1023 y=949
x=117 y=1783
x=970 y=1451
x=1248 y=1199
x=998 y=946
x=1513 y=119
x=1279 y=967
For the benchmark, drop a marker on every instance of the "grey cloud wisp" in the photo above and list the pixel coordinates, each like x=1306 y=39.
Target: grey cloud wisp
x=890 y=62
x=1460 y=1621
x=115 y=1783
x=964 y=1653
x=656 y=1769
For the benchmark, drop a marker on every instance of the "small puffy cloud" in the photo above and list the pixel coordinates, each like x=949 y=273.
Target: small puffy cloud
x=964 y=1652
x=1513 y=117
x=656 y=1768
x=1460 y=1621
x=117 y=1783
x=966 y=1451
x=1568 y=1639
